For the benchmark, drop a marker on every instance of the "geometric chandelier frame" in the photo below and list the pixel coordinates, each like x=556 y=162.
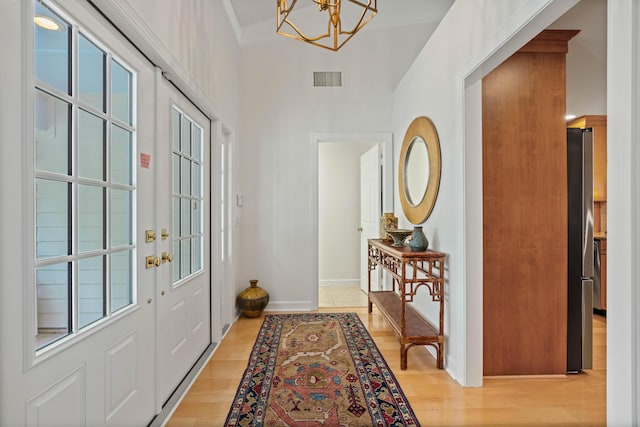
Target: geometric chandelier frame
x=338 y=32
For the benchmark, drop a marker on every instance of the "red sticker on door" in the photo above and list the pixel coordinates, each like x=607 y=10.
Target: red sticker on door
x=145 y=160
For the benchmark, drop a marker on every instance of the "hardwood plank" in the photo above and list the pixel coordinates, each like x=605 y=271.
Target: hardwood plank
x=435 y=397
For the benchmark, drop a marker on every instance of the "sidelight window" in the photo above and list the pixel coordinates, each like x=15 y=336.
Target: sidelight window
x=84 y=179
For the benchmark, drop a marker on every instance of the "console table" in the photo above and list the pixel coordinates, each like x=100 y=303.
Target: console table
x=410 y=271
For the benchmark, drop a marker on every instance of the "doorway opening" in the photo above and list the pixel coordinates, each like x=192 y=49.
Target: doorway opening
x=337 y=186
x=339 y=222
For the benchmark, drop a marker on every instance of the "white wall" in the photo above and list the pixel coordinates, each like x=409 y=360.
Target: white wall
x=587 y=57
x=280 y=110
x=339 y=213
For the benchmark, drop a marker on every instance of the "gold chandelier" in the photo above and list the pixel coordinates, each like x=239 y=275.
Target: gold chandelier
x=346 y=17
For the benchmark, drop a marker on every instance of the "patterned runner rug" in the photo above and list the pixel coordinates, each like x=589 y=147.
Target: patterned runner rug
x=318 y=369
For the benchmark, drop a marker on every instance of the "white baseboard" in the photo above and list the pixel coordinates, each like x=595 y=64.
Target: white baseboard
x=339 y=282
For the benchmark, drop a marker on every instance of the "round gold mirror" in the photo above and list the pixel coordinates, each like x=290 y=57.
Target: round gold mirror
x=419 y=170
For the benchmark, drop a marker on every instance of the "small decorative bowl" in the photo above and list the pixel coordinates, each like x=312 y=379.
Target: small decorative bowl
x=398 y=235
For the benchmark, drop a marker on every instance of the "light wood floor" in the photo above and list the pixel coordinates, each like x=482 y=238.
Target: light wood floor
x=573 y=400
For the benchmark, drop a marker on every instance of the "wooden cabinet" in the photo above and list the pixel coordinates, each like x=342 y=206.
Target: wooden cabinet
x=599 y=125
x=524 y=167
x=410 y=271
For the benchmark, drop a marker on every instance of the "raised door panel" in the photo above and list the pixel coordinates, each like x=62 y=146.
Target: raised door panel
x=61 y=404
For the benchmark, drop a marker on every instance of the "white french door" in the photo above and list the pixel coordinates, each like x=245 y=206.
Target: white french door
x=370 y=211
x=182 y=215
x=89 y=306
x=117 y=288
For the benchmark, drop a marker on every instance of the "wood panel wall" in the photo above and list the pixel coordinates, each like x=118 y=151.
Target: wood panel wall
x=525 y=213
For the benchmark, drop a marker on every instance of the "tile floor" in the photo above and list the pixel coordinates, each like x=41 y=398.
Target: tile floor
x=342 y=296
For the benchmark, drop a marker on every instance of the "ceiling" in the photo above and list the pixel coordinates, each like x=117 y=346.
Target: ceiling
x=390 y=12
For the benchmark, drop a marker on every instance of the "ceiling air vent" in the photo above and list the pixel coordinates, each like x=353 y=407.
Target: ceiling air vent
x=327 y=78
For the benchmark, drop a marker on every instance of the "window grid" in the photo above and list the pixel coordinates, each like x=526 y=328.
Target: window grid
x=93 y=268
x=187 y=196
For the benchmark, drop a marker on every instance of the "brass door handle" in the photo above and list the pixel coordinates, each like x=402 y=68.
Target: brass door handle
x=167 y=257
x=360 y=229
x=152 y=261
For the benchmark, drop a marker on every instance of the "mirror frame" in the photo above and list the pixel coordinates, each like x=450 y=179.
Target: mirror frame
x=420 y=127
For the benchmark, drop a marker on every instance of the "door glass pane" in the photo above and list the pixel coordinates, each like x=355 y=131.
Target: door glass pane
x=197 y=143
x=52 y=55
x=120 y=93
x=185 y=177
x=91 y=73
x=90 y=218
x=185 y=216
x=185 y=258
x=185 y=145
x=120 y=218
x=197 y=254
x=121 y=280
x=121 y=155
x=52 y=218
x=197 y=217
x=197 y=179
x=90 y=290
x=175 y=119
x=91 y=138
x=176 y=173
x=51 y=133
x=177 y=232
x=52 y=289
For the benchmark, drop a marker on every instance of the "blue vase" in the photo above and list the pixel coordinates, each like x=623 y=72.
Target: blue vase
x=418 y=240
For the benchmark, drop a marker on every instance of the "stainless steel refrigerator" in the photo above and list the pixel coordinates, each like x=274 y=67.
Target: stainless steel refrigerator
x=580 y=249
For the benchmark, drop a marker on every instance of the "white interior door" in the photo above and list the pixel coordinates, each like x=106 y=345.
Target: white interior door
x=183 y=317
x=370 y=210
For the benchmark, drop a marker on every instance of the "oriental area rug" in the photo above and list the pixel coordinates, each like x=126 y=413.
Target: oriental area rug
x=318 y=369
